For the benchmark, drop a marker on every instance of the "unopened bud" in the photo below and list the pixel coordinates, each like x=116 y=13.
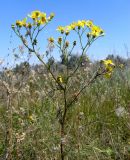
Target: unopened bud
x=88 y=35
x=66 y=44
x=79 y=27
x=52 y=16
x=59 y=40
x=74 y=43
x=29 y=25
x=12 y=26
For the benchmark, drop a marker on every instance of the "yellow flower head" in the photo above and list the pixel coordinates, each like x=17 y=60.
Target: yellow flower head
x=81 y=24
x=32 y=118
x=43 y=18
x=35 y=14
x=72 y=26
x=24 y=22
x=108 y=62
x=107 y=75
x=61 y=29
x=96 y=31
x=89 y=23
x=59 y=79
x=69 y=28
x=19 y=23
x=109 y=66
x=51 y=40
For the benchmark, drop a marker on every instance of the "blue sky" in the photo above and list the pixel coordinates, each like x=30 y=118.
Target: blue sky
x=112 y=15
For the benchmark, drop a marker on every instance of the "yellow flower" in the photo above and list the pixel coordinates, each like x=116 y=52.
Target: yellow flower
x=107 y=75
x=72 y=26
x=67 y=32
x=81 y=24
x=21 y=23
x=35 y=14
x=84 y=22
x=61 y=29
x=43 y=18
x=108 y=62
x=69 y=28
x=24 y=22
x=89 y=23
x=32 y=118
x=96 y=31
x=51 y=40
x=59 y=79
x=109 y=66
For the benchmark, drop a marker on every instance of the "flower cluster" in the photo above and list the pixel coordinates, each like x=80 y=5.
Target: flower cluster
x=38 y=17
x=94 y=31
x=109 y=66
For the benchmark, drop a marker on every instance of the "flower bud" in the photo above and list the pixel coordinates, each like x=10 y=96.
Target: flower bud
x=59 y=79
x=88 y=35
x=79 y=27
x=74 y=43
x=29 y=25
x=51 y=40
x=52 y=16
x=13 y=26
x=34 y=42
x=101 y=32
x=59 y=40
x=67 y=44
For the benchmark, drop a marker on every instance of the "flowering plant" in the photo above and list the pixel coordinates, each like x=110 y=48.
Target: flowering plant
x=28 y=30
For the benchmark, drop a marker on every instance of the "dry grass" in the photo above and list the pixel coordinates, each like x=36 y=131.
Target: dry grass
x=97 y=125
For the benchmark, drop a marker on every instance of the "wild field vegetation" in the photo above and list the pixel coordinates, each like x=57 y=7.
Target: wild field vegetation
x=71 y=109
